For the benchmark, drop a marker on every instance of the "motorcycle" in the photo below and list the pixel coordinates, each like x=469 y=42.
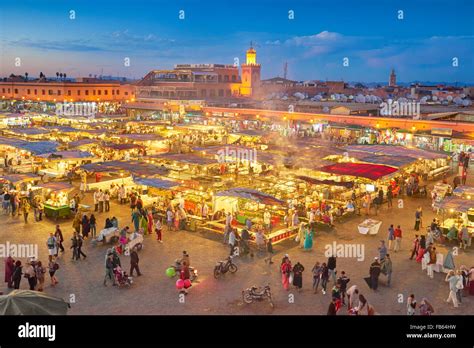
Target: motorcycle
x=193 y=273
x=224 y=267
x=257 y=294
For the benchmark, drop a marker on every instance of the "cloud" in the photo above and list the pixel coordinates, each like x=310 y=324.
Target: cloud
x=66 y=45
x=324 y=37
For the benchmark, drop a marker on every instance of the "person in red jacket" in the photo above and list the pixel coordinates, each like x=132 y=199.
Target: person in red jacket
x=398 y=238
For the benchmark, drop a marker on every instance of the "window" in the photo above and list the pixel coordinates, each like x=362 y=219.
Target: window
x=106 y=92
x=118 y=92
x=212 y=93
x=78 y=92
x=221 y=93
x=219 y=78
x=69 y=92
x=3 y=90
x=27 y=91
x=9 y=90
x=87 y=92
x=93 y=92
x=99 y=92
x=50 y=92
x=234 y=78
x=113 y=92
x=36 y=91
x=226 y=78
x=203 y=93
x=126 y=93
x=43 y=92
x=16 y=90
x=59 y=92
x=228 y=93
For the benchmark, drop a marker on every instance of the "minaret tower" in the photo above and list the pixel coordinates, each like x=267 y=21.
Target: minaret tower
x=393 y=79
x=250 y=73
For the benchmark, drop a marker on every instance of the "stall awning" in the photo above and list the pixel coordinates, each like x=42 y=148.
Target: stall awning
x=81 y=142
x=67 y=155
x=455 y=204
x=56 y=186
x=392 y=161
x=134 y=167
x=14 y=178
x=251 y=194
x=156 y=182
x=29 y=131
x=35 y=147
x=185 y=158
x=363 y=170
x=347 y=184
x=139 y=137
x=63 y=129
x=393 y=150
x=464 y=190
x=121 y=147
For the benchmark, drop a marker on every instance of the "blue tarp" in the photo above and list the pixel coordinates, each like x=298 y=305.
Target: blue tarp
x=67 y=155
x=29 y=131
x=464 y=191
x=36 y=147
x=56 y=186
x=14 y=178
x=456 y=204
x=134 y=167
x=156 y=182
x=392 y=161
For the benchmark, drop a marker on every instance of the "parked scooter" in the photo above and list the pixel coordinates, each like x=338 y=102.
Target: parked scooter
x=224 y=267
x=257 y=294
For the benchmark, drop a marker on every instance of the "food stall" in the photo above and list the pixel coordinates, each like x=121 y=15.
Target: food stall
x=21 y=183
x=459 y=212
x=250 y=204
x=151 y=189
x=466 y=192
x=58 y=164
x=56 y=199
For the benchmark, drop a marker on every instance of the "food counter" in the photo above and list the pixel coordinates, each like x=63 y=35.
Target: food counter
x=56 y=211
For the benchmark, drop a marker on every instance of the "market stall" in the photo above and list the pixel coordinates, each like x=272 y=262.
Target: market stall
x=456 y=212
x=56 y=199
x=58 y=164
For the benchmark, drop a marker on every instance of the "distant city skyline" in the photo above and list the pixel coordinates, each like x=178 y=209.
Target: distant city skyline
x=420 y=47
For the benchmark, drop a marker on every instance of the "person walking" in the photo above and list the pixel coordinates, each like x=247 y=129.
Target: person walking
x=452 y=279
x=158 y=231
x=298 y=270
x=317 y=270
x=398 y=238
x=411 y=305
x=52 y=244
x=30 y=274
x=374 y=272
x=269 y=251
x=432 y=261
x=9 y=268
x=324 y=277
x=101 y=199
x=308 y=240
x=107 y=200
x=417 y=219
x=286 y=269
x=96 y=201
x=382 y=250
x=332 y=310
x=85 y=226
x=425 y=307
x=391 y=236
x=109 y=269
x=80 y=242
x=134 y=259
x=58 y=234
x=389 y=197
x=387 y=268
x=93 y=225
x=416 y=247
x=74 y=247
x=17 y=273
x=136 y=219
x=40 y=271
x=331 y=265
x=343 y=280
x=25 y=209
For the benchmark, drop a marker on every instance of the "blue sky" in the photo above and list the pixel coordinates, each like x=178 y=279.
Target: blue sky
x=420 y=47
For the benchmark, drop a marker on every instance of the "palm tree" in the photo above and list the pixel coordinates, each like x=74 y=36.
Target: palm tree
x=41 y=75
x=64 y=76
x=26 y=76
x=57 y=75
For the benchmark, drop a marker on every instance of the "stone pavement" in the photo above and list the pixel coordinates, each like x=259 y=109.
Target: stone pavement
x=154 y=293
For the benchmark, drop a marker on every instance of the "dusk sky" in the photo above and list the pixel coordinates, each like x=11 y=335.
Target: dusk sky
x=419 y=47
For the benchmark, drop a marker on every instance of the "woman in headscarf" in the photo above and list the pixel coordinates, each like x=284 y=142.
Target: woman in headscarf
x=285 y=273
x=308 y=240
x=76 y=224
x=449 y=261
x=144 y=223
x=150 y=222
x=301 y=235
x=9 y=267
x=298 y=275
x=85 y=226
x=425 y=307
x=136 y=219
